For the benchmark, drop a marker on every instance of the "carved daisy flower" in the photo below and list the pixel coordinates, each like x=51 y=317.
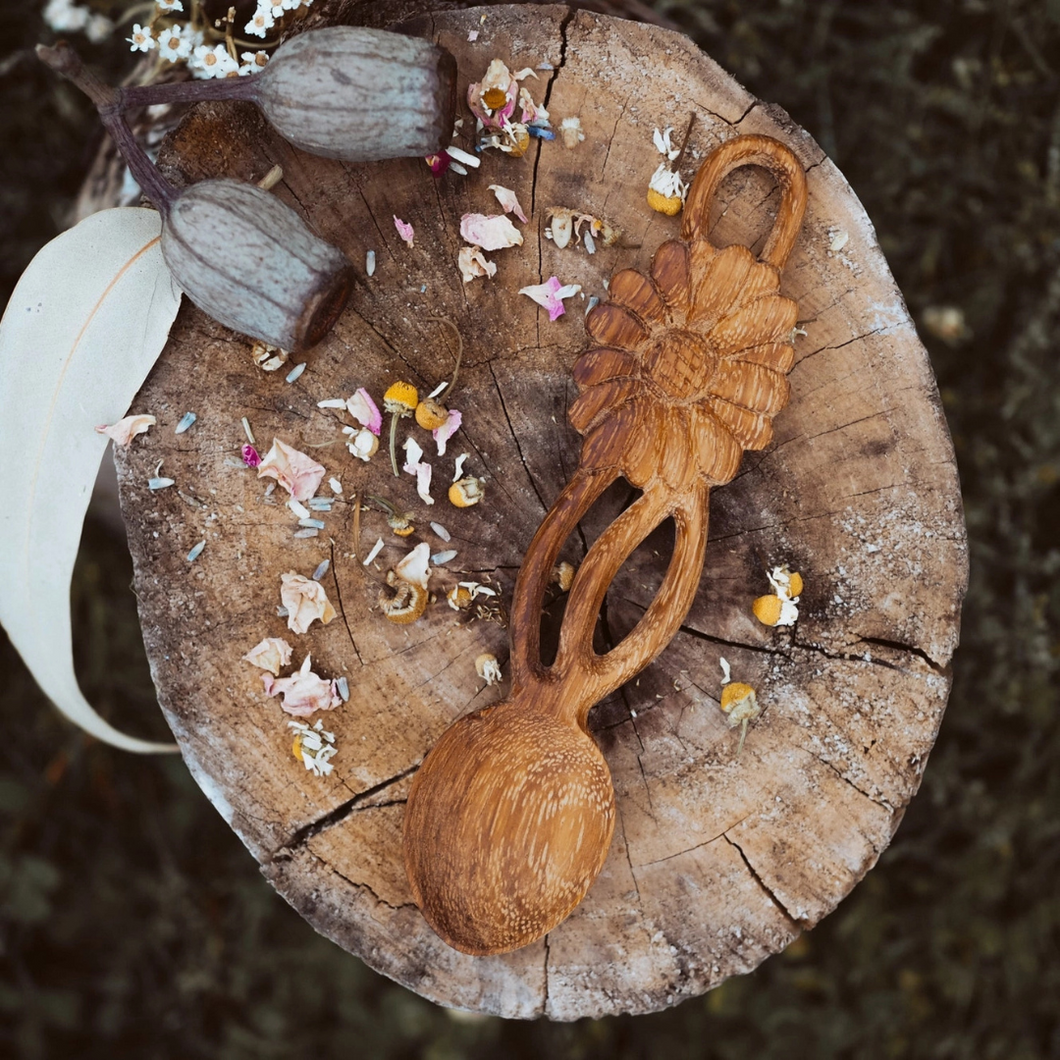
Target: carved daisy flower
x=690 y=366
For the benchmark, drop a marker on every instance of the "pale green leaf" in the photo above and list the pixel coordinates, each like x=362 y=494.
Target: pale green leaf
x=86 y=322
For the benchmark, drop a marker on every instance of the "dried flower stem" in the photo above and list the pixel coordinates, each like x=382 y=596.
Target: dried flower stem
x=459 y=352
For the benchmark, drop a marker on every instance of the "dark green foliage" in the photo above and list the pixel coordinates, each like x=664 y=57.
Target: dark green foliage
x=132 y=922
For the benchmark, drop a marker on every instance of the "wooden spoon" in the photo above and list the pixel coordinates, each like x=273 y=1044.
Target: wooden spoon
x=510 y=817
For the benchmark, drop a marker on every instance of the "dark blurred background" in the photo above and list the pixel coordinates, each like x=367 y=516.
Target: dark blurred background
x=134 y=924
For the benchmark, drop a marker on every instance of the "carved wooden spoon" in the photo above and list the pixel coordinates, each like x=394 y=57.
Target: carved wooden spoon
x=510 y=817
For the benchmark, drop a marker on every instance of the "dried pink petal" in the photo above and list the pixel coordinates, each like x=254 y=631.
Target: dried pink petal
x=305 y=601
x=406 y=231
x=304 y=692
x=447 y=430
x=551 y=294
x=509 y=203
x=490 y=233
x=299 y=474
x=532 y=113
x=473 y=263
x=250 y=455
x=123 y=432
x=272 y=654
x=438 y=163
x=365 y=411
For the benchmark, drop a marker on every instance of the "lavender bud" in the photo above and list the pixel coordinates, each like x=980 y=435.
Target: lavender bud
x=252 y=264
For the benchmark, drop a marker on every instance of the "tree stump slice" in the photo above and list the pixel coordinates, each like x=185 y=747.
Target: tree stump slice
x=718 y=860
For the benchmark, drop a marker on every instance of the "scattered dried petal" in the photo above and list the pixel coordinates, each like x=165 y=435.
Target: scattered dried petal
x=304 y=692
x=299 y=474
x=495 y=232
x=550 y=295
x=272 y=654
x=369 y=263
x=123 y=432
x=509 y=203
x=414 y=567
x=440 y=531
x=376 y=549
x=446 y=431
x=196 y=551
x=406 y=231
x=473 y=263
x=459 y=466
x=296 y=372
x=305 y=601
x=440 y=558
x=250 y=456
x=460 y=155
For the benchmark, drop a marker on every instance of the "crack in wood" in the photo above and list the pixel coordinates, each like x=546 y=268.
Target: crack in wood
x=335 y=816
x=794 y=920
x=342 y=609
x=515 y=439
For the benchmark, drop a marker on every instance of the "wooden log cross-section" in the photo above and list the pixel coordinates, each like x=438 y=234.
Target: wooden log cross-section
x=718 y=860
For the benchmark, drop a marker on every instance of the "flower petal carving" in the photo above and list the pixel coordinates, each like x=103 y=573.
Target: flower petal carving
x=669 y=270
x=611 y=325
x=602 y=397
x=602 y=363
x=630 y=289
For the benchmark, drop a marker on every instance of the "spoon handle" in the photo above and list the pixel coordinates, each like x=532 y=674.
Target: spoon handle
x=689 y=371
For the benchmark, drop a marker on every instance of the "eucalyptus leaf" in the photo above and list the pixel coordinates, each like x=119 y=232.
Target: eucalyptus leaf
x=84 y=326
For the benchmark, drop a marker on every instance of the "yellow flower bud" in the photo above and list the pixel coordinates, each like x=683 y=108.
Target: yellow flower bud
x=466 y=492
x=667 y=204
x=430 y=414
x=767 y=609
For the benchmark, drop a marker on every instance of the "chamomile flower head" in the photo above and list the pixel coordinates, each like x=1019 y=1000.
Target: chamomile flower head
x=666 y=191
x=253 y=62
x=207 y=62
x=174 y=43
x=141 y=39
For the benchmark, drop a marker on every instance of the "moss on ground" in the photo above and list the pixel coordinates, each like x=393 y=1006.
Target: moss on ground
x=133 y=923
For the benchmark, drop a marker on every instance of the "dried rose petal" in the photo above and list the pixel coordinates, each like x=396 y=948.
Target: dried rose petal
x=509 y=203
x=123 y=432
x=305 y=601
x=365 y=411
x=415 y=568
x=299 y=474
x=405 y=230
x=447 y=430
x=551 y=294
x=250 y=455
x=473 y=263
x=490 y=233
x=303 y=692
x=273 y=654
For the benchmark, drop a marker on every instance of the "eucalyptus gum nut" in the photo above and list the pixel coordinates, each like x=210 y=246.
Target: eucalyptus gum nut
x=252 y=264
x=360 y=94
